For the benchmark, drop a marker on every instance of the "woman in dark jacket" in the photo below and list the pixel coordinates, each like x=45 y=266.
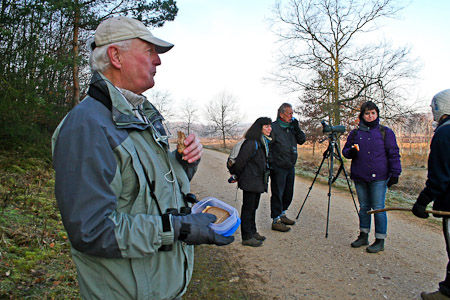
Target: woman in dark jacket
x=252 y=176
x=375 y=167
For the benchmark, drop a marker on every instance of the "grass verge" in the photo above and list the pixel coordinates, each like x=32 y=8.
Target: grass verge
x=215 y=276
x=34 y=252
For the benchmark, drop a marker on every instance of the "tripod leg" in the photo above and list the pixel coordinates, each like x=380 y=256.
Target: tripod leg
x=328 y=210
x=330 y=182
x=325 y=155
x=351 y=191
x=346 y=178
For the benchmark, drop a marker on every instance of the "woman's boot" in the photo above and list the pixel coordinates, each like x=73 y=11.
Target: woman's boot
x=363 y=239
x=377 y=246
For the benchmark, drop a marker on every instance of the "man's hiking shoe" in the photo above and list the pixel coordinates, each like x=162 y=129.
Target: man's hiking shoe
x=286 y=220
x=434 y=296
x=280 y=226
x=362 y=240
x=259 y=237
x=252 y=242
x=377 y=246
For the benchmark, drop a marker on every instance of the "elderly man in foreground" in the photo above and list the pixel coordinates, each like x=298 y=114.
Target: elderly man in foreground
x=123 y=196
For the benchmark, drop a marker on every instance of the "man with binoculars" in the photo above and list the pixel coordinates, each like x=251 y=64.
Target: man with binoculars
x=286 y=134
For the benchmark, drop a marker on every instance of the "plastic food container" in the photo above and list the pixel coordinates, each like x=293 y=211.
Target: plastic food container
x=227 y=227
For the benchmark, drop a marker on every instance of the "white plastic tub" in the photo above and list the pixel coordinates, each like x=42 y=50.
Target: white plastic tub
x=227 y=227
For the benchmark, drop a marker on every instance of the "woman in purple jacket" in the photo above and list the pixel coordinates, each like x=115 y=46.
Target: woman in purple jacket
x=375 y=167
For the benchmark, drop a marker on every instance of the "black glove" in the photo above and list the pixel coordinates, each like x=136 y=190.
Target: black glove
x=392 y=180
x=295 y=125
x=421 y=204
x=193 y=229
x=419 y=211
x=353 y=153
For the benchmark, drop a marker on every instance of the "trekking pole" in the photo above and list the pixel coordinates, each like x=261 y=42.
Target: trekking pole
x=434 y=212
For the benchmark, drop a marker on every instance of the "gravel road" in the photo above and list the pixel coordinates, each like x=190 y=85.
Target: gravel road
x=303 y=264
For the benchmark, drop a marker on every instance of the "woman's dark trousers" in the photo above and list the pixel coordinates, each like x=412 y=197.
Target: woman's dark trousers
x=444 y=286
x=250 y=204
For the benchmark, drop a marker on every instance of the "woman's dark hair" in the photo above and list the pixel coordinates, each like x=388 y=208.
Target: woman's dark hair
x=369 y=105
x=255 y=131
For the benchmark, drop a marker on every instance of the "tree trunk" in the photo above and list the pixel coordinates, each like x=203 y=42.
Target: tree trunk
x=223 y=139
x=336 y=108
x=75 y=50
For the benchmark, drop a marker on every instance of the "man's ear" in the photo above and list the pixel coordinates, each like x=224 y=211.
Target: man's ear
x=115 y=56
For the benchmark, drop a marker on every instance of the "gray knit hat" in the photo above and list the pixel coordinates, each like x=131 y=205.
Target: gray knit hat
x=440 y=105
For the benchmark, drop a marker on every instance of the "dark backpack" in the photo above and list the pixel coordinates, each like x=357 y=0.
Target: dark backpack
x=234 y=153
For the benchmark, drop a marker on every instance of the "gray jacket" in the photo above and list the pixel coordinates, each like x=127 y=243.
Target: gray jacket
x=113 y=180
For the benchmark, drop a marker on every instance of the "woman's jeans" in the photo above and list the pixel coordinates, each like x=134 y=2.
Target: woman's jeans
x=371 y=196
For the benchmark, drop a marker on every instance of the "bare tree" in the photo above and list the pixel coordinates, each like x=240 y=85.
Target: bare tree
x=414 y=129
x=322 y=56
x=222 y=111
x=163 y=102
x=188 y=114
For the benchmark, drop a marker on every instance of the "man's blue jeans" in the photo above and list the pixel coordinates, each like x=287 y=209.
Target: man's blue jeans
x=372 y=195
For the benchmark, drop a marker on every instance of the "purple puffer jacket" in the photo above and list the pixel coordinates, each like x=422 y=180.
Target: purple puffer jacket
x=376 y=159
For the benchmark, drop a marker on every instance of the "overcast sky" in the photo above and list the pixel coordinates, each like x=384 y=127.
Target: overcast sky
x=227 y=45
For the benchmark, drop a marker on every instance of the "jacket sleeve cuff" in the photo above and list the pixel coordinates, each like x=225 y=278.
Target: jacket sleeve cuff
x=167 y=238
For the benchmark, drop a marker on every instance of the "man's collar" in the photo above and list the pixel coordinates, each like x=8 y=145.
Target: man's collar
x=133 y=98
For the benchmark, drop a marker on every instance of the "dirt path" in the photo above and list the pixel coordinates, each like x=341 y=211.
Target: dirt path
x=303 y=264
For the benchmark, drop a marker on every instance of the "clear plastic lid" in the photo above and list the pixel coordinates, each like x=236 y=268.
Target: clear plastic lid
x=227 y=227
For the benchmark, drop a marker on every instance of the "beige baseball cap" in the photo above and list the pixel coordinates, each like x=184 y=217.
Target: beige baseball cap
x=122 y=28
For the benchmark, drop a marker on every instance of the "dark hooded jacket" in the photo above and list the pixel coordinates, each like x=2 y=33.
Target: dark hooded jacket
x=283 y=148
x=251 y=167
x=437 y=186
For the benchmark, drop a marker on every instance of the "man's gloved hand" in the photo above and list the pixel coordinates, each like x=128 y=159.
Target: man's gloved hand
x=353 y=153
x=392 y=180
x=421 y=204
x=193 y=229
x=295 y=124
x=419 y=211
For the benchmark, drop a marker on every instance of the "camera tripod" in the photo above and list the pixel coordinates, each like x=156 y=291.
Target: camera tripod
x=331 y=152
